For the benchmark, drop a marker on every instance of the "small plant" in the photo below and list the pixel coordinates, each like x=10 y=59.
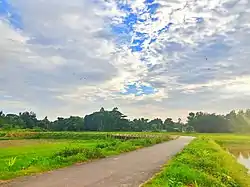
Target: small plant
x=11 y=162
x=102 y=145
x=196 y=184
x=93 y=153
x=174 y=183
x=66 y=152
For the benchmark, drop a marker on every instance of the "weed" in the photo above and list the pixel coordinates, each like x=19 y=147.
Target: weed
x=11 y=162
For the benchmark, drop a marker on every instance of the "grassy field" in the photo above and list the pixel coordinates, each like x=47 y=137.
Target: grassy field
x=12 y=135
x=39 y=152
x=204 y=163
x=236 y=145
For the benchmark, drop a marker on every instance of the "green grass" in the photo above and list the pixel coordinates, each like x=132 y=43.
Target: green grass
x=33 y=156
x=24 y=157
x=203 y=163
x=236 y=145
x=52 y=135
x=17 y=134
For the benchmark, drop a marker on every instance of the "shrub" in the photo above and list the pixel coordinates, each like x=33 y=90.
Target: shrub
x=2 y=134
x=89 y=153
x=93 y=153
x=69 y=151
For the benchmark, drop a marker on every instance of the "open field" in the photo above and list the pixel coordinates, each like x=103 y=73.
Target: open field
x=236 y=145
x=205 y=163
x=28 y=153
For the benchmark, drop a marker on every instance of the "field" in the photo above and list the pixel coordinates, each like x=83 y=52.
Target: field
x=24 y=153
x=206 y=163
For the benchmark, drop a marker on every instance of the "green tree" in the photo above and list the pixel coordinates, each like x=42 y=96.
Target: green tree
x=209 y=123
x=29 y=119
x=155 y=125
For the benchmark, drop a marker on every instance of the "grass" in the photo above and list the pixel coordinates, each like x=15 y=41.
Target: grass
x=18 y=134
x=24 y=157
x=203 y=163
x=236 y=145
x=51 y=135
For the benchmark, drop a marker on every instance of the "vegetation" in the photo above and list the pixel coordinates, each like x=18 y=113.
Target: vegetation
x=202 y=164
x=235 y=144
x=8 y=135
x=114 y=120
x=23 y=157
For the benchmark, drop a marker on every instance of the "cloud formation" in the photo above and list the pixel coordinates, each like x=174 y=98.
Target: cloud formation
x=151 y=58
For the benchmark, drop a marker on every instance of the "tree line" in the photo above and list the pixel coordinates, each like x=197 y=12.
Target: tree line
x=114 y=120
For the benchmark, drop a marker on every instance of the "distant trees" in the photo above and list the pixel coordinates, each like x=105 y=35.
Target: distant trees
x=239 y=121
x=114 y=120
x=28 y=120
x=104 y=120
x=139 y=125
x=169 y=125
x=209 y=123
x=214 y=123
x=73 y=123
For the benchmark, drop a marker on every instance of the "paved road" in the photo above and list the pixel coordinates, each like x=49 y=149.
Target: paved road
x=126 y=170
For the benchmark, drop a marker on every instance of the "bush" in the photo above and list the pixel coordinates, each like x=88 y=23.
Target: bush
x=89 y=153
x=93 y=153
x=69 y=152
x=111 y=143
x=2 y=134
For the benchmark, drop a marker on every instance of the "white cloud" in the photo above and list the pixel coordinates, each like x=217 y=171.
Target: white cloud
x=66 y=58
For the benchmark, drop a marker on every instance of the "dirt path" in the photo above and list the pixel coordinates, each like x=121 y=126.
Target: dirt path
x=126 y=170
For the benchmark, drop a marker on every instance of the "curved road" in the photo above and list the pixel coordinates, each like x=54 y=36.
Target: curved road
x=125 y=170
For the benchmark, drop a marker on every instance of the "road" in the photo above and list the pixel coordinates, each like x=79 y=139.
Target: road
x=125 y=170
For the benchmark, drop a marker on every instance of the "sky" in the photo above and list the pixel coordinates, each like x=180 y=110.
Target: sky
x=149 y=58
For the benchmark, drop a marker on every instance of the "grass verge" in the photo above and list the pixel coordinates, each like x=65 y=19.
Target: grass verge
x=38 y=157
x=203 y=163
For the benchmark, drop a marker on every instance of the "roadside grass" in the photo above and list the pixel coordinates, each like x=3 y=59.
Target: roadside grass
x=35 y=156
x=203 y=163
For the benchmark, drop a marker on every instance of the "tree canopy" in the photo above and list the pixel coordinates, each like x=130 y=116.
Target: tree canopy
x=114 y=120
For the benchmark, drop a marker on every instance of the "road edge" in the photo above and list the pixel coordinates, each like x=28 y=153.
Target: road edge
x=164 y=165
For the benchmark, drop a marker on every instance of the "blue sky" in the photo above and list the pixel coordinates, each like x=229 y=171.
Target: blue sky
x=151 y=58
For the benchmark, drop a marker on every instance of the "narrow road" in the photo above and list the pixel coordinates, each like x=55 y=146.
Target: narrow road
x=126 y=170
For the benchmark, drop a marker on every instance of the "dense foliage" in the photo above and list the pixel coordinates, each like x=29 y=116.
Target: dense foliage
x=114 y=120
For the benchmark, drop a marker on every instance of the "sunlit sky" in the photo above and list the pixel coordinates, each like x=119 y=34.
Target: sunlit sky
x=150 y=58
